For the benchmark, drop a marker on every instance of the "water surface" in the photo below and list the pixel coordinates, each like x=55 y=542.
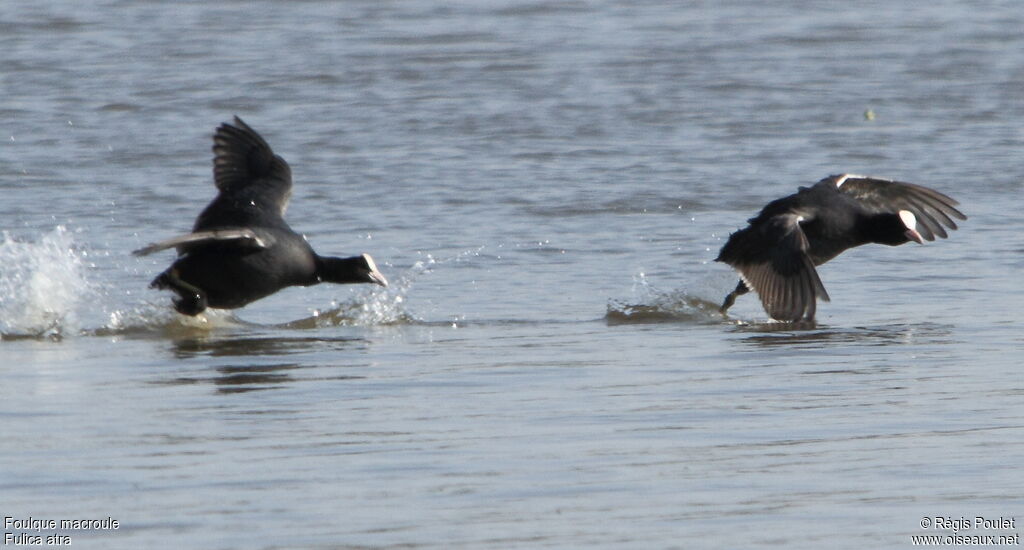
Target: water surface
x=546 y=184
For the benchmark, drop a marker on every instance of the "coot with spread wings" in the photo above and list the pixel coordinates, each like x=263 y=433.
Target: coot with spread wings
x=240 y=248
x=776 y=254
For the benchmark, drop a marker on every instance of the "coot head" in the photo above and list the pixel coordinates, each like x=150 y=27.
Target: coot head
x=910 y=224
x=357 y=269
x=892 y=229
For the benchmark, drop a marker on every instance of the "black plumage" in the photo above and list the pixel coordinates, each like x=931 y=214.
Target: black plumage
x=777 y=253
x=240 y=248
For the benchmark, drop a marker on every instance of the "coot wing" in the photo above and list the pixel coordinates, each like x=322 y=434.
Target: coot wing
x=243 y=161
x=242 y=237
x=772 y=260
x=931 y=208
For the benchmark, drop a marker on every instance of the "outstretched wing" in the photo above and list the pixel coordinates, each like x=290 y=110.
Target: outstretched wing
x=244 y=164
x=772 y=260
x=932 y=209
x=244 y=238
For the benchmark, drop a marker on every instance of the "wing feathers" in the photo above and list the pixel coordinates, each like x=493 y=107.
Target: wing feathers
x=243 y=237
x=932 y=209
x=244 y=162
x=785 y=278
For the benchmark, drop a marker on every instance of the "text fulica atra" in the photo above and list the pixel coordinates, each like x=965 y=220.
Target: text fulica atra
x=240 y=248
x=776 y=254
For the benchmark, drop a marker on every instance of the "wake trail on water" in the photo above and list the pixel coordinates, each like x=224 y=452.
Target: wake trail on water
x=648 y=304
x=377 y=306
x=52 y=288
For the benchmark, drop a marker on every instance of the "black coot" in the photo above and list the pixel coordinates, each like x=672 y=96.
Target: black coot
x=776 y=254
x=240 y=248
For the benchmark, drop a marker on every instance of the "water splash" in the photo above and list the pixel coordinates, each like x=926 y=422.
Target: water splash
x=372 y=306
x=650 y=305
x=375 y=306
x=45 y=293
x=150 y=317
x=42 y=285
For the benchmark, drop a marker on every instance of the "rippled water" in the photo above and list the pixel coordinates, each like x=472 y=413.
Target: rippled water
x=545 y=184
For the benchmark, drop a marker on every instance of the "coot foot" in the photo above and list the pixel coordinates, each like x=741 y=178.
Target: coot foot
x=190 y=301
x=190 y=305
x=740 y=290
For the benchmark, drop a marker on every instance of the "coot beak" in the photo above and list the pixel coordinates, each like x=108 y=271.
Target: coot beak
x=378 y=278
x=372 y=273
x=910 y=222
x=913 y=235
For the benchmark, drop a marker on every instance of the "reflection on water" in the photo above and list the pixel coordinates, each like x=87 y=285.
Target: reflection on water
x=243 y=378
x=259 y=375
x=246 y=378
x=260 y=346
x=240 y=377
x=814 y=336
x=235 y=379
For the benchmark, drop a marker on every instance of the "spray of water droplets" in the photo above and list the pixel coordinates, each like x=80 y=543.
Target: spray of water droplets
x=375 y=306
x=42 y=285
x=650 y=305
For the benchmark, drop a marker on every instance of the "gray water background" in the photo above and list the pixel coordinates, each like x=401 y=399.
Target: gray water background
x=546 y=184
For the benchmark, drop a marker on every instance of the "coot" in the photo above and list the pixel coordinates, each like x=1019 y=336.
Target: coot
x=776 y=254
x=240 y=248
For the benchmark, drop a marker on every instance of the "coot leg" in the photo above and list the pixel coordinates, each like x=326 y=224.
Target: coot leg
x=741 y=289
x=191 y=300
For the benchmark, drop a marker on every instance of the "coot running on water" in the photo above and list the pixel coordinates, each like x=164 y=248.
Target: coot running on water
x=240 y=248
x=776 y=254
